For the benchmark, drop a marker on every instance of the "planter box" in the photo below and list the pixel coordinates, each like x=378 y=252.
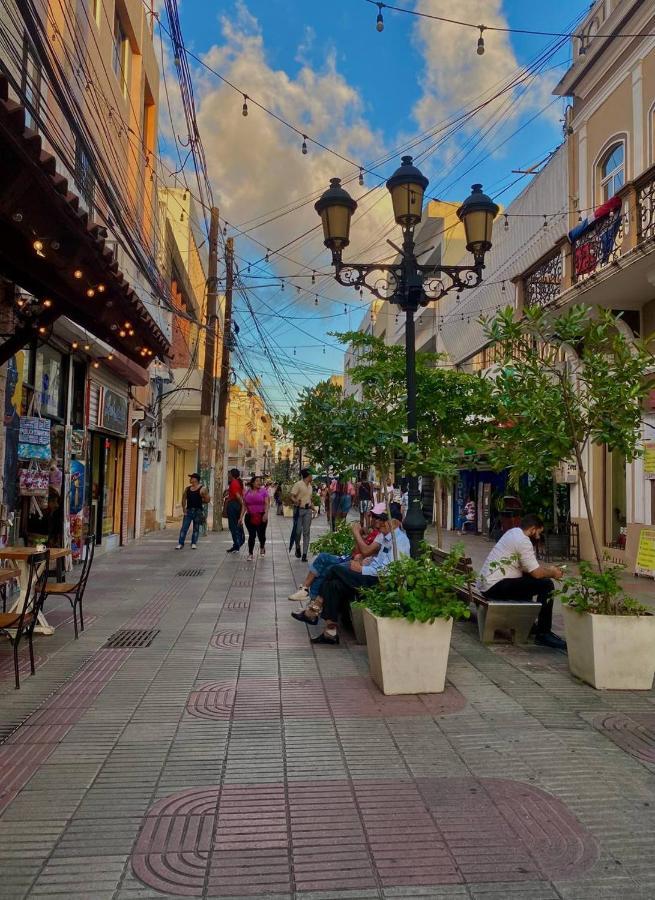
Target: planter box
x=407 y=657
x=611 y=652
x=357 y=618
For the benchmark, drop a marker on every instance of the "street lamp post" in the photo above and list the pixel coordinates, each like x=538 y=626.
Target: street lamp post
x=406 y=282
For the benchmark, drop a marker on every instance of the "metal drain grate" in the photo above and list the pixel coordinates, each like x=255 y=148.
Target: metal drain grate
x=126 y=638
x=191 y=573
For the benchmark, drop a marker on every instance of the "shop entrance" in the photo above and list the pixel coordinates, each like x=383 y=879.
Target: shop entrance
x=106 y=489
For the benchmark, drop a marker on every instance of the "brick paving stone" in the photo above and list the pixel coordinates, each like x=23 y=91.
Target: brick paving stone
x=232 y=758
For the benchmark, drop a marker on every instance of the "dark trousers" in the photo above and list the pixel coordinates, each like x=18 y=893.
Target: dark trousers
x=340 y=588
x=191 y=517
x=526 y=588
x=233 y=513
x=255 y=531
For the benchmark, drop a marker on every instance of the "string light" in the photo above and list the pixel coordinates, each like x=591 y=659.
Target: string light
x=38 y=247
x=101 y=288
x=379 y=22
x=87 y=346
x=480 y=50
x=224 y=230
x=361 y=177
x=122 y=333
x=304 y=145
x=90 y=292
x=267 y=257
x=47 y=303
x=96 y=364
x=506 y=223
x=313 y=276
x=545 y=221
x=316 y=300
x=74 y=345
x=503 y=288
x=78 y=274
x=244 y=108
x=42 y=329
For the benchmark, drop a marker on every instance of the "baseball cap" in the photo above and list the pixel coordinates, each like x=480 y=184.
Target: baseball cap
x=194 y=475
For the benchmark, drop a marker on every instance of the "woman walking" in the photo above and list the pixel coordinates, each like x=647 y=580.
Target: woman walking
x=235 y=510
x=257 y=501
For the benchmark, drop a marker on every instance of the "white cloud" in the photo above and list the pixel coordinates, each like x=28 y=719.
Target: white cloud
x=255 y=163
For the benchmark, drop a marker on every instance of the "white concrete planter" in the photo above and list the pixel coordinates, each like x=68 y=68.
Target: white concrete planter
x=611 y=652
x=407 y=657
x=357 y=617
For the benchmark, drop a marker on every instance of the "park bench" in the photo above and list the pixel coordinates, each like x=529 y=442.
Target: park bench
x=515 y=617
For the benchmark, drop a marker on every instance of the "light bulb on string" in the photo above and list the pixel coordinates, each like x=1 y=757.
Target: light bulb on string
x=506 y=223
x=503 y=288
x=281 y=285
x=316 y=300
x=361 y=177
x=313 y=276
x=480 y=50
x=294 y=351
x=379 y=22
x=345 y=310
x=267 y=257
x=244 y=108
x=304 y=145
x=224 y=230
x=361 y=293
x=545 y=221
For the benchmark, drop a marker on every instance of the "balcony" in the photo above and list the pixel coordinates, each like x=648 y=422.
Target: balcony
x=620 y=243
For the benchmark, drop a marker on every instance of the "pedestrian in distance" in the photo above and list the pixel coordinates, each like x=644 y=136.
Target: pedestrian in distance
x=235 y=510
x=195 y=494
x=365 y=497
x=301 y=497
x=257 y=502
x=511 y=572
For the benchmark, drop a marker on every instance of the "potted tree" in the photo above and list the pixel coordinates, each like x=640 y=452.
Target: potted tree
x=408 y=617
x=611 y=637
x=564 y=382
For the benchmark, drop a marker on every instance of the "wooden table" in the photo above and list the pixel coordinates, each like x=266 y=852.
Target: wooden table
x=21 y=556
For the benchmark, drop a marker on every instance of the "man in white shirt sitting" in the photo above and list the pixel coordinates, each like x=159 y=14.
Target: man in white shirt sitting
x=512 y=572
x=342 y=584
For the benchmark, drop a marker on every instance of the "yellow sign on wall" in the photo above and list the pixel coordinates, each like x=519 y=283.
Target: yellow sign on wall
x=646 y=552
x=649 y=459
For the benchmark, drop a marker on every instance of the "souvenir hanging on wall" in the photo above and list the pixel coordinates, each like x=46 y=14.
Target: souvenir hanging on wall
x=34 y=436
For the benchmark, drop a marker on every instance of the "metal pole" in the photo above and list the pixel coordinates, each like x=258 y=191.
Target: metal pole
x=224 y=389
x=206 y=397
x=414 y=520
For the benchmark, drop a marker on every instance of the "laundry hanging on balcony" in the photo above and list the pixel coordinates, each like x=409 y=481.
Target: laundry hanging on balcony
x=593 y=238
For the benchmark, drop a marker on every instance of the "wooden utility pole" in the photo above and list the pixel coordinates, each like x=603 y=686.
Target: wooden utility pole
x=206 y=398
x=224 y=388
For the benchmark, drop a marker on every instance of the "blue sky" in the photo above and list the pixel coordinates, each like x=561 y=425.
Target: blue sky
x=324 y=67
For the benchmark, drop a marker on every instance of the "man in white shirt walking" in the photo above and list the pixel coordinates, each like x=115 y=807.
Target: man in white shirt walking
x=301 y=496
x=512 y=572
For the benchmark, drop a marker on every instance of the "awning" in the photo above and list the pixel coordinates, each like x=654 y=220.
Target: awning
x=35 y=204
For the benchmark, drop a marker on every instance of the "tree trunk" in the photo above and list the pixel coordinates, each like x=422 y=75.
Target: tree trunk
x=437 y=506
x=587 y=502
x=385 y=494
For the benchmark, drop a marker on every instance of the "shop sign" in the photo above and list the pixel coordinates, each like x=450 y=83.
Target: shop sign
x=114 y=412
x=649 y=459
x=646 y=553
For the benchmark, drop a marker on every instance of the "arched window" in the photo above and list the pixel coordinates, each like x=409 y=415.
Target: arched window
x=612 y=171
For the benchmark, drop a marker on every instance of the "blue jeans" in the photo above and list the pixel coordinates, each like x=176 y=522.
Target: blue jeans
x=191 y=517
x=236 y=530
x=320 y=567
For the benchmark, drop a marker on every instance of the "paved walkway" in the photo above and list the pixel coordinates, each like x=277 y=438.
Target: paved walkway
x=230 y=758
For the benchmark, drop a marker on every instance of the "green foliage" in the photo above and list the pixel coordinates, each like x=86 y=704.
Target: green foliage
x=599 y=592
x=418 y=590
x=340 y=541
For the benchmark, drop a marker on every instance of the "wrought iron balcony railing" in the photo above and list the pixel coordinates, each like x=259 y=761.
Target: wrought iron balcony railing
x=544 y=284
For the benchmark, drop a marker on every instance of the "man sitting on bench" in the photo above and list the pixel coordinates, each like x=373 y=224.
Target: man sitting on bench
x=511 y=572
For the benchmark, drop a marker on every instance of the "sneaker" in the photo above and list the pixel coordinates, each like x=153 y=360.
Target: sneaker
x=179 y=546
x=233 y=550
x=304 y=558
x=250 y=557
x=194 y=546
x=298 y=553
x=551 y=640
x=301 y=594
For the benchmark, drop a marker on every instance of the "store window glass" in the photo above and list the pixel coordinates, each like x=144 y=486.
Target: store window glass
x=49 y=382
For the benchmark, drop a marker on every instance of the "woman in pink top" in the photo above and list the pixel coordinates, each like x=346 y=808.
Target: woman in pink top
x=257 y=502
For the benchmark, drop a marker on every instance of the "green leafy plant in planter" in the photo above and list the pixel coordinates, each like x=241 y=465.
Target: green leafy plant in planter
x=599 y=592
x=339 y=542
x=418 y=590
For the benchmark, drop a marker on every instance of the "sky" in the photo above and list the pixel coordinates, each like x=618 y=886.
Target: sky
x=323 y=67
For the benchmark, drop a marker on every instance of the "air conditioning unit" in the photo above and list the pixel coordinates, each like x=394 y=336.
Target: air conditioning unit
x=566 y=473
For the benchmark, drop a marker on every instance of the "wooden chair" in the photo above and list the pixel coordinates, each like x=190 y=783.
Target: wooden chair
x=21 y=623
x=7 y=575
x=75 y=590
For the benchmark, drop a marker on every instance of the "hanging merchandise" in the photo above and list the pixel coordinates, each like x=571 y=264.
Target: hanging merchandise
x=34 y=436
x=33 y=482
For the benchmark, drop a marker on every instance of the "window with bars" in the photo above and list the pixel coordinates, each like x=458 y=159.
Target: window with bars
x=31 y=83
x=84 y=177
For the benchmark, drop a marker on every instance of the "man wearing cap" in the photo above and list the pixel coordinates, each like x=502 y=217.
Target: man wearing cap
x=195 y=494
x=321 y=564
x=342 y=584
x=301 y=497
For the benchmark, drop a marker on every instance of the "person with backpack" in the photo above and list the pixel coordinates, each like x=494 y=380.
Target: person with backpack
x=193 y=498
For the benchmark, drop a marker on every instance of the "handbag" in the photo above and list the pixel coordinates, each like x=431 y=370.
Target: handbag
x=34 y=435
x=33 y=482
